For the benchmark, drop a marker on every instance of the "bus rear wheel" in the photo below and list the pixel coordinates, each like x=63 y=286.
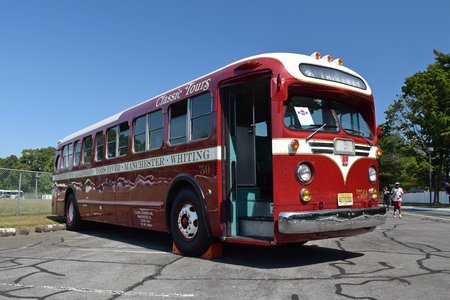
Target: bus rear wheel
x=187 y=224
x=73 y=220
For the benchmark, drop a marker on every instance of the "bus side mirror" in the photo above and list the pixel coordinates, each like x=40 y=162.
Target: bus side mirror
x=279 y=88
x=379 y=132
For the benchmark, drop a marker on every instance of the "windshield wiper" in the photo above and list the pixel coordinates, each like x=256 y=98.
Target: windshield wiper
x=312 y=134
x=359 y=133
x=322 y=125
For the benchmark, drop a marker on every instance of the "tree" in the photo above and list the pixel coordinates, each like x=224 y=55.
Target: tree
x=40 y=160
x=9 y=162
x=421 y=115
x=401 y=162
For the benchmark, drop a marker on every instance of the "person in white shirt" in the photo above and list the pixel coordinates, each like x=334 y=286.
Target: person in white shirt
x=396 y=197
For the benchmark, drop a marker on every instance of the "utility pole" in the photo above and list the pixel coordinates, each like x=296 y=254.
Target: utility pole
x=18 y=195
x=429 y=151
x=36 y=186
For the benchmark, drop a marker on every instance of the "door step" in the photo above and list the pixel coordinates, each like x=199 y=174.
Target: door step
x=248 y=240
x=256 y=227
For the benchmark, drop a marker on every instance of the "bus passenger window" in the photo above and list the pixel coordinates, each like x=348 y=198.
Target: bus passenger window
x=77 y=156
x=64 y=157
x=178 y=126
x=100 y=142
x=70 y=156
x=139 y=134
x=87 y=150
x=123 y=139
x=155 y=129
x=201 y=117
x=111 y=135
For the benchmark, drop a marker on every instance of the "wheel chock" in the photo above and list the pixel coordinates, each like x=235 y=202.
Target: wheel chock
x=175 y=249
x=214 y=251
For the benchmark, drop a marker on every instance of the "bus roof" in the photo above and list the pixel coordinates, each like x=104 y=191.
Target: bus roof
x=290 y=61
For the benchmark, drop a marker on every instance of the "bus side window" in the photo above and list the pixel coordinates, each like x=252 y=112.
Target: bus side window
x=201 y=116
x=77 y=154
x=111 y=136
x=87 y=150
x=123 y=139
x=155 y=126
x=178 y=126
x=99 y=146
x=67 y=156
x=140 y=134
x=64 y=157
x=70 y=157
x=117 y=140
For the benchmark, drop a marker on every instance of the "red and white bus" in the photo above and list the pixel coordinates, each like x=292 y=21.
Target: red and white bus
x=272 y=149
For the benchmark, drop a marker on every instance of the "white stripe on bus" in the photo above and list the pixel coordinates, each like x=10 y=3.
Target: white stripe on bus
x=189 y=157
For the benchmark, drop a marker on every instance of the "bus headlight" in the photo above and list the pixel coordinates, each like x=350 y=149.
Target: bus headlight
x=372 y=174
x=304 y=173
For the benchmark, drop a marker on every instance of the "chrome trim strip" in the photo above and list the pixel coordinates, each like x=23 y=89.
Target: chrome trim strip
x=125 y=203
x=330 y=220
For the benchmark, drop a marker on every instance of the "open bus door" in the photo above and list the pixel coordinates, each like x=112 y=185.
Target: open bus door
x=248 y=165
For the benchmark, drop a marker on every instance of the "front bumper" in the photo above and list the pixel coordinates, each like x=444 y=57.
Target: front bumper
x=330 y=220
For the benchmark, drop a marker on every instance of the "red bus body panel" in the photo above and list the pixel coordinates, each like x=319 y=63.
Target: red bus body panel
x=133 y=190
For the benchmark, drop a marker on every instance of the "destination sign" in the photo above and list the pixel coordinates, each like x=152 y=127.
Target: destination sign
x=329 y=74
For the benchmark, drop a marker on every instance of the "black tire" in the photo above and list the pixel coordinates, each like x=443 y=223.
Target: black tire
x=73 y=220
x=187 y=224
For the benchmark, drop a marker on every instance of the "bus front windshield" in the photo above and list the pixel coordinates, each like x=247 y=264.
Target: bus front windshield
x=310 y=113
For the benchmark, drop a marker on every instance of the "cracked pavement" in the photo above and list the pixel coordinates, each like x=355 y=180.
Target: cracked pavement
x=405 y=258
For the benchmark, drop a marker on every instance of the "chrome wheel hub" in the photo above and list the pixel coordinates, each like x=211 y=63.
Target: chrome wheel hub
x=70 y=213
x=188 y=221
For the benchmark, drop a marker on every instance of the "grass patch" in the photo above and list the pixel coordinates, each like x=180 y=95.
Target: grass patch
x=25 y=221
x=440 y=205
x=32 y=212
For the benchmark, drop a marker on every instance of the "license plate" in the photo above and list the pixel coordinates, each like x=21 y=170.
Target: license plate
x=344 y=146
x=345 y=199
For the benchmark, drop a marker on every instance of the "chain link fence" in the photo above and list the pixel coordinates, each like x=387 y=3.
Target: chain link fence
x=24 y=184
x=20 y=187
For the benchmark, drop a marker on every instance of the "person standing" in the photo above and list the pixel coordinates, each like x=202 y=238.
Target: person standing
x=386 y=197
x=396 y=197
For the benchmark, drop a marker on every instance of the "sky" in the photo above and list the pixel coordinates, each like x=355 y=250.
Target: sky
x=65 y=65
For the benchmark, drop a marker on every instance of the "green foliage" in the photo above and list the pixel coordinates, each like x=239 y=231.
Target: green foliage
x=37 y=159
x=420 y=117
x=401 y=162
x=40 y=160
x=9 y=162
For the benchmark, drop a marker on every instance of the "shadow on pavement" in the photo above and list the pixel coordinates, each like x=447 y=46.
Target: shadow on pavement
x=282 y=256
x=233 y=254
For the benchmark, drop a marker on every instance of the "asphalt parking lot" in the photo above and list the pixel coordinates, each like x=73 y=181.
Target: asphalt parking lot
x=406 y=258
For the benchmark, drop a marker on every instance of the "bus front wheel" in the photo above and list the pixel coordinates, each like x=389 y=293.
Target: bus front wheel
x=187 y=225
x=73 y=220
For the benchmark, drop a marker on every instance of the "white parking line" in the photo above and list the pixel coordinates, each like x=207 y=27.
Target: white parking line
x=98 y=291
x=427 y=216
x=119 y=251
